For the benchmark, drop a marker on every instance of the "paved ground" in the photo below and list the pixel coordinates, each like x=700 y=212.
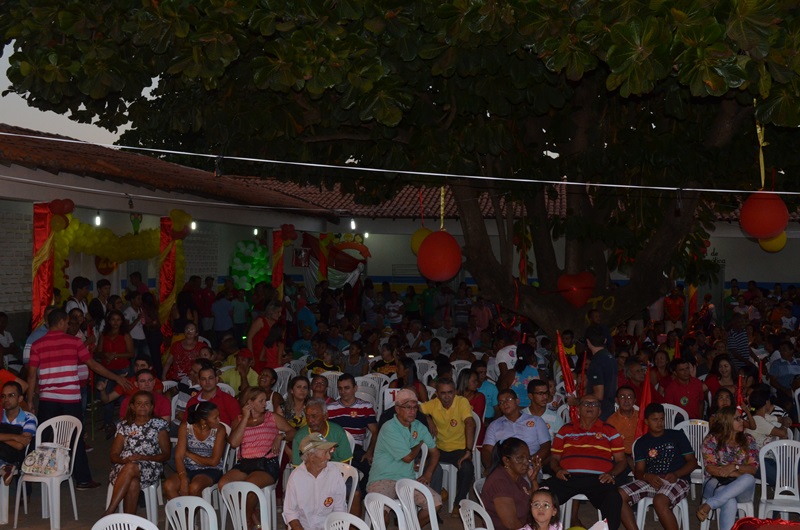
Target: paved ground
x=91 y=503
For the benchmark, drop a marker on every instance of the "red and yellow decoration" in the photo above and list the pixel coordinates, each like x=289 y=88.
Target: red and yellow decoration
x=280 y=239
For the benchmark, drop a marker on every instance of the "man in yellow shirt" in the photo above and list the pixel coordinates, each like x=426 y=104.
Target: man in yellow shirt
x=450 y=421
x=242 y=376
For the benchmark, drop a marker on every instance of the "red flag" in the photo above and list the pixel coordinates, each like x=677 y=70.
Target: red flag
x=677 y=349
x=739 y=398
x=644 y=400
x=566 y=372
x=760 y=371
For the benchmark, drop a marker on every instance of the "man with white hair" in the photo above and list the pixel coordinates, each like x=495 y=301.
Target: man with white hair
x=399 y=443
x=316 y=488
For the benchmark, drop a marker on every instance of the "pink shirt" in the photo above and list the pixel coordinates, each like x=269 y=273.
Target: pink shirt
x=57 y=356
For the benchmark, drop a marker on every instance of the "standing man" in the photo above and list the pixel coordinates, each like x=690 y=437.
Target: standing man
x=602 y=373
x=450 y=421
x=53 y=371
x=586 y=457
x=204 y=298
x=664 y=460
x=16 y=430
x=673 y=310
x=80 y=292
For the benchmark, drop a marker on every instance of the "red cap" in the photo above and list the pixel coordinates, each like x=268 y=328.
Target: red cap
x=245 y=353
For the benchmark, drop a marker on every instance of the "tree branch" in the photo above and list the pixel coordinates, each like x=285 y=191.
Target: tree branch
x=543 y=251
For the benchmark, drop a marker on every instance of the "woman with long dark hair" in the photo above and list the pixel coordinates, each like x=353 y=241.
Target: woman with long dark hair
x=511 y=480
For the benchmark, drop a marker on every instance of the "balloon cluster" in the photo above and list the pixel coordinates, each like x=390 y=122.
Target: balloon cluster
x=60 y=208
x=764 y=216
x=250 y=265
x=288 y=234
x=181 y=223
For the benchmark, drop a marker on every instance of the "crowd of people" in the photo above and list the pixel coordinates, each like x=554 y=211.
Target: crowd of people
x=492 y=386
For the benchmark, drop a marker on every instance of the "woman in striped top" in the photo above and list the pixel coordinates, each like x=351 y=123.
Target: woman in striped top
x=258 y=434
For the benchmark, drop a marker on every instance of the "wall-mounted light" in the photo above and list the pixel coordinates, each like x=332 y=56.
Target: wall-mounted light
x=255 y=231
x=352 y=224
x=193 y=225
x=366 y=235
x=97 y=220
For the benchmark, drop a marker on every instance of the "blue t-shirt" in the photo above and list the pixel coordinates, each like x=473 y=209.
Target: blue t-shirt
x=603 y=371
x=662 y=455
x=489 y=390
x=223 y=314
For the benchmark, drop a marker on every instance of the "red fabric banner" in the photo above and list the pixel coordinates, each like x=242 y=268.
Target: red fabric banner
x=42 y=262
x=677 y=349
x=646 y=399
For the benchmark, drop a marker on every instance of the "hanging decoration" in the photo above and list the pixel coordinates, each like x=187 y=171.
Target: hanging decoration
x=250 y=264
x=523 y=241
x=773 y=244
x=566 y=373
x=324 y=244
x=576 y=288
x=422 y=232
x=171 y=263
x=764 y=216
x=42 y=264
x=439 y=256
x=136 y=222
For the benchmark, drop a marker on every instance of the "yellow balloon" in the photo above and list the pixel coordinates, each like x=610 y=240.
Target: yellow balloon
x=418 y=237
x=773 y=244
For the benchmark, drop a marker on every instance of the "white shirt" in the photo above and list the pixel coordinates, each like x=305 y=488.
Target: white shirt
x=311 y=499
x=507 y=356
x=6 y=339
x=137 y=331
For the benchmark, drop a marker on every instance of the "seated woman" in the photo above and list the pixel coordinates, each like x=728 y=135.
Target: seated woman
x=266 y=381
x=198 y=455
x=407 y=378
x=508 y=487
x=731 y=460
x=256 y=434
x=138 y=451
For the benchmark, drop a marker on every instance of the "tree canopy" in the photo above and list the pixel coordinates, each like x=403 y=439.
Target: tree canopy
x=658 y=93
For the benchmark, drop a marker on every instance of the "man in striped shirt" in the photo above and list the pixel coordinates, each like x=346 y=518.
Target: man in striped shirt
x=54 y=366
x=586 y=456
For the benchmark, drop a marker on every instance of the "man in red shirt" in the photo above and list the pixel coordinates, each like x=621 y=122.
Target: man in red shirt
x=229 y=409
x=205 y=299
x=53 y=368
x=146 y=380
x=585 y=459
x=685 y=391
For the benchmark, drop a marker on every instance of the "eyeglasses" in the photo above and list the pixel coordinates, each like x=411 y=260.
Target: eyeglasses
x=541 y=505
x=590 y=404
x=506 y=400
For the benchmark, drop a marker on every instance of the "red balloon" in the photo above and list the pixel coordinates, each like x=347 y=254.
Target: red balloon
x=763 y=215
x=576 y=288
x=69 y=206
x=439 y=256
x=57 y=207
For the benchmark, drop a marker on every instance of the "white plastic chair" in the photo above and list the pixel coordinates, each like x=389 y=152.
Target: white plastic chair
x=174 y=402
x=477 y=488
x=429 y=376
x=468 y=509
x=298 y=364
x=153 y=498
x=211 y=493
x=223 y=369
x=333 y=381
x=450 y=472
x=405 y=489
x=786 y=495
x=423 y=365
x=343 y=521
x=271 y=491
x=414 y=355
x=234 y=495
x=348 y=472
x=381 y=379
x=695 y=431
x=369 y=398
x=66 y=432
x=122 y=521
x=284 y=374
x=671 y=413
x=389 y=395
x=169 y=385
x=566 y=510
x=377 y=504
x=181 y=512
x=458 y=366
x=228 y=389
x=431 y=392
x=351 y=441
x=563 y=413
x=423 y=458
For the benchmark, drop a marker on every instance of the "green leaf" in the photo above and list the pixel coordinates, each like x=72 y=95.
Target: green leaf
x=782 y=107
